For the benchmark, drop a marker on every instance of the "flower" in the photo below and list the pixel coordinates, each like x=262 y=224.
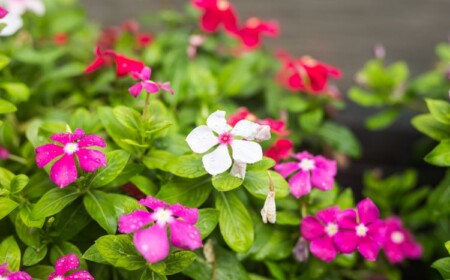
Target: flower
x=218 y=133
x=19 y=7
x=152 y=242
x=124 y=64
x=143 y=39
x=60 y=39
x=195 y=41
x=13 y=23
x=4 y=153
x=66 y=264
x=300 y=250
x=310 y=171
x=320 y=231
x=64 y=170
x=146 y=84
x=281 y=149
x=250 y=34
x=276 y=126
x=360 y=230
x=399 y=243
x=3 y=12
x=8 y=275
x=215 y=13
x=269 y=210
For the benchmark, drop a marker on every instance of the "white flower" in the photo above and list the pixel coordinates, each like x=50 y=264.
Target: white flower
x=269 y=210
x=218 y=133
x=13 y=24
x=16 y=8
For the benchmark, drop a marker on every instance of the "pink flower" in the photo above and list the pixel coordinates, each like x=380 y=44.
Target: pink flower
x=143 y=39
x=152 y=242
x=320 y=231
x=3 y=12
x=64 y=170
x=399 y=243
x=8 y=275
x=124 y=64
x=4 y=153
x=281 y=149
x=360 y=230
x=146 y=84
x=309 y=171
x=254 y=28
x=66 y=264
x=100 y=60
x=276 y=126
x=215 y=13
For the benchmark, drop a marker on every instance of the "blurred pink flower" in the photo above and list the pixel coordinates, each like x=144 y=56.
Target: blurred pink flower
x=66 y=264
x=8 y=275
x=64 y=170
x=276 y=126
x=3 y=12
x=216 y=13
x=124 y=64
x=399 y=243
x=146 y=84
x=4 y=153
x=152 y=242
x=281 y=149
x=250 y=34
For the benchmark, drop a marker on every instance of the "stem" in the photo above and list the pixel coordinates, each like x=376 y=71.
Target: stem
x=303 y=207
x=18 y=159
x=271 y=187
x=146 y=104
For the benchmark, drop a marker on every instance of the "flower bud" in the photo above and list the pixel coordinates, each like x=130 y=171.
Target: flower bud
x=238 y=169
x=269 y=211
x=262 y=133
x=208 y=251
x=300 y=250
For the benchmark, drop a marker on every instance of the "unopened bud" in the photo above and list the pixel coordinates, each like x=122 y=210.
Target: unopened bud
x=238 y=169
x=262 y=133
x=300 y=250
x=208 y=251
x=269 y=210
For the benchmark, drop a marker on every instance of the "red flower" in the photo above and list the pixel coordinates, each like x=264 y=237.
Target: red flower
x=124 y=65
x=254 y=28
x=241 y=114
x=100 y=60
x=144 y=39
x=281 y=149
x=216 y=12
x=60 y=39
x=277 y=126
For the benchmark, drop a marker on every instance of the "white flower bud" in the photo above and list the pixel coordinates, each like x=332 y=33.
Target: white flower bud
x=208 y=251
x=238 y=169
x=262 y=133
x=269 y=211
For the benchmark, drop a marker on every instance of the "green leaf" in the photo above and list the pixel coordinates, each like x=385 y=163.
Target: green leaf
x=443 y=266
x=144 y=184
x=92 y=254
x=258 y=182
x=207 y=221
x=429 y=126
x=18 y=183
x=189 y=192
x=382 y=119
x=40 y=272
x=33 y=256
x=340 y=138
x=226 y=182
x=6 y=206
x=188 y=166
x=128 y=117
x=440 y=155
x=287 y=218
x=5 y=178
x=25 y=212
x=10 y=253
x=115 y=163
x=101 y=209
x=277 y=247
x=65 y=71
x=345 y=199
x=447 y=246
x=119 y=251
x=151 y=275
x=178 y=261
x=70 y=221
x=4 y=61
x=295 y=104
x=6 y=107
x=311 y=120
x=28 y=235
x=53 y=201
x=263 y=164
x=440 y=110
x=364 y=98
x=17 y=92
x=235 y=222
x=158 y=159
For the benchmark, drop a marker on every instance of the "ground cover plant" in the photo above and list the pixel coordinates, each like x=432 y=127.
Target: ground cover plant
x=180 y=148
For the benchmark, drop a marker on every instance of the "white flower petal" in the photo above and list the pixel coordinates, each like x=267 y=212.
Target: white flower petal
x=201 y=139
x=13 y=24
x=263 y=133
x=246 y=129
x=246 y=151
x=238 y=169
x=217 y=122
x=36 y=6
x=218 y=161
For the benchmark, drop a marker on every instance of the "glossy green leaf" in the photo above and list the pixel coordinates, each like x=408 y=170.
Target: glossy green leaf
x=101 y=209
x=207 y=221
x=258 y=183
x=18 y=183
x=6 y=206
x=440 y=109
x=263 y=164
x=115 y=163
x=6 y=107
x=287 y=218
x=189 y=192
x=10 y=253
x=382 y=120
x=119 y=251
x=443 y=266
x=53 y=201
x=440 y=155
x=188 y=166
x=429 y=126
x=340 y=138
x=226 y=182
x=92 y=254
x=311 y=120
x=178 y=261
x=17 y=92
x=33 y=256
x=4 y=61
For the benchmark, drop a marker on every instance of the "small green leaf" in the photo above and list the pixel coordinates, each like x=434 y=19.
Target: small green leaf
x=382 y=119
x=189 y=192
x=287 y=218
x=40 y=272
x=263 y=164
x=447 y=246
x=340 y=138
x=440 y=110
x=33 y=256
x=18 y=183
x=53 y=201
x=6 y=107
x=188 y=166
x=364 y=98
x=6 y=206
x=4 y=61
x=10 y=253
x=115 y=163
x=295 y=104
x=443 y=266
x=128 y=117
x=119 y=251
x=148 y=274
x=440 y=155
x=18 y=92
x=92 y=254
x=258 y=183
x=345 y=200
x=429 y=126
x=158 y=159
x=178 y=261
x=226 y=182
x=311 y=120
x=101 y=209
x=144 y=184
x=207 y=221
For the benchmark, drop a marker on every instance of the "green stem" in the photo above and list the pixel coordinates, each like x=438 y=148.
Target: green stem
x=18 y=159
x=146 y=104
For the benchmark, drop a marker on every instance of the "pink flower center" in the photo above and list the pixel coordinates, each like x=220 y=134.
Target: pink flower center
x=57 y=278
x=397 y=237
x=163 y=216
x=71 y=148
x=223 y=5
x=307 y=164
x=361 y=230
x=225 y=138
x=331 y=229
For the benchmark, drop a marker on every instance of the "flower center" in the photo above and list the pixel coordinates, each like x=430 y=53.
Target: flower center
x=71 y=148
x=225 y=138
x=58 y=278
x=223 y=5
x=307 y=164
x=3 y=278
x=331 y=229
x=309 y=61
x=163 y=216
x=361 y=230
x=397 y=237
x=253 y=22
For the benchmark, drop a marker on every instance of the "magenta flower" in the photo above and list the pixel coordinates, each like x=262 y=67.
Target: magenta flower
x=146 y=84
x=152 y=242
x=399 y=243
x=64 y=170
x=66 y=264
x=5 y=274
x=4 y=153
x=310 y=171
x=3 y=12
x=361 y=230
x=320 y=231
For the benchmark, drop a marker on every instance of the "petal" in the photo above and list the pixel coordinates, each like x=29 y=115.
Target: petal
x=136 y=89
x=47 y=153
x=150 y=86
x=189 y=215
x=64 y=171
x=96 y=64
x=323 y=248
x=346 y=219
x=321 y=180
x=246 y=151
x=217 y=122
x=367 y=211
x=229 y=19
x=411 y=249
x=185 y=236
x=126 y=65
x=134 y=221
x=300 y=184
x=80 y=275
x=66 y=263
x=36 y=6
x=152 y=243
x=345 y=241
x=250 y=37
x=368 y=248
x=65 y=138
x=311 y=228
x=210 y=20
x=3 y=269
x=327 y=166
x=286 y=169
x=166 y=86
x=393 y=252
x=92 y=140
x=328 y=215
x=377 y=232
x=91 y=160
x=238 y=169
x=246 y=129
x=153 y=203
x=146 y=73
x=303 y=155
x=217 y=161
x=13 y=23
x=201 y=139
x=3 y=13
x=20 y=275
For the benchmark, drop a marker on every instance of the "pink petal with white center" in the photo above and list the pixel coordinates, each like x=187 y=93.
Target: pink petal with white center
x=66 y=263
x=346 y=219
x=153 y=203
x=47 y=153
x=64 y=171
x=185 y=236
x=217 y=161
x=328 y=166
x=411 y=249
x=286 y=169
x=152 y=243
x=345 y=241
x=321 y=179
x=80 y=275
x=189 y=215
x=328 y=215
x=246 y=129
x=13 y=23
x=166 y=86
x=323 y=248
x=368 y=248
x=246 y=151
x=136 y=89
x=217 y=122
x=367 y=211
x=150 y=86
x=377 y=232
x=311 y=228
x=92 y=140
x=201 y=139
x=300 y=184
x=134 y=221
x=91 y=160
x=146 y=73
x=20 y=275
